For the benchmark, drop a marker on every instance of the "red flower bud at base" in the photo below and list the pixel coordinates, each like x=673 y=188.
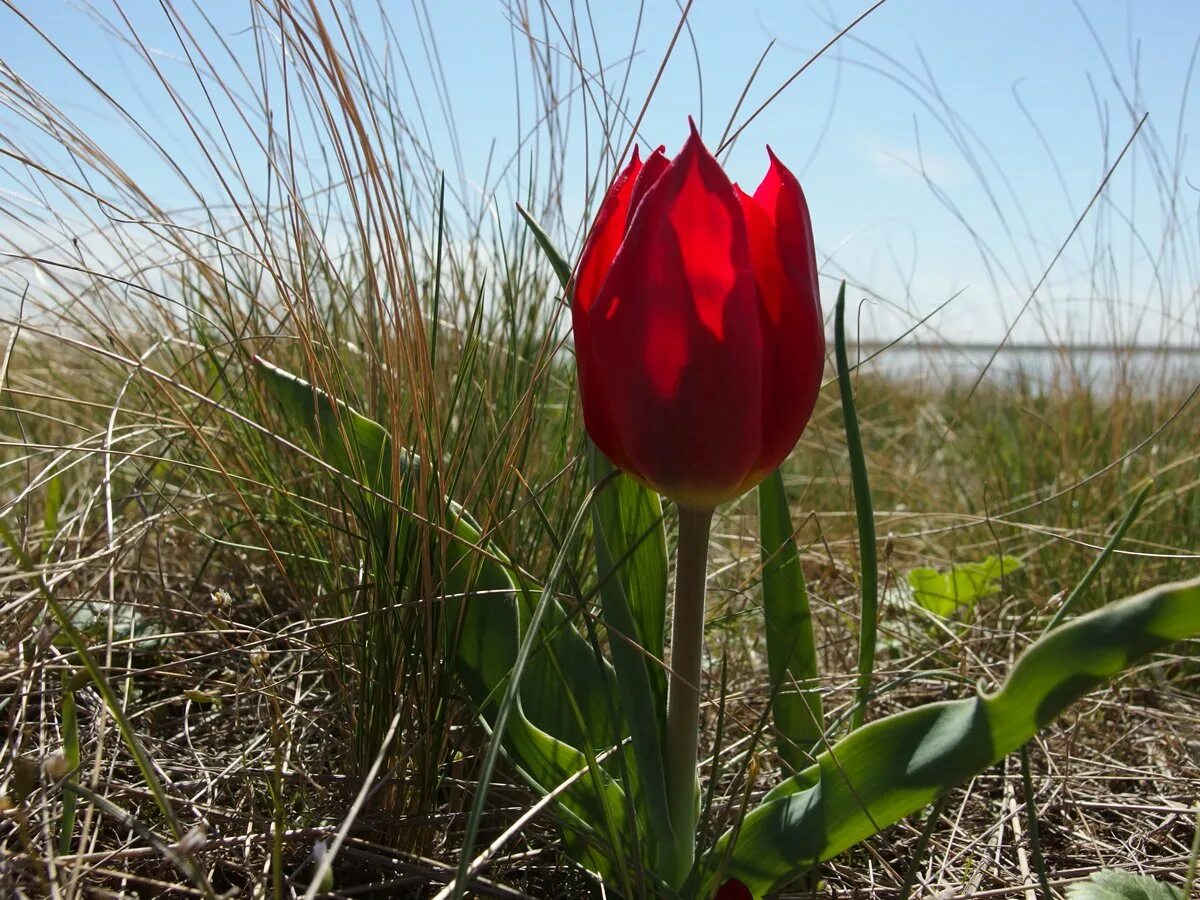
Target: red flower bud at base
x=733 y=890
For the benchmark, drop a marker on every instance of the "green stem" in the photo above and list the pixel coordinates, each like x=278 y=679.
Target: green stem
x=1190 y=879
x=865 y=514
x=1031 y=820
x=918 y=852
x=1109 y=548
x=683 y=690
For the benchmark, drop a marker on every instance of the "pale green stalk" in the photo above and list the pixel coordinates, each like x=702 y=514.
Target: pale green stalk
x=683 y=690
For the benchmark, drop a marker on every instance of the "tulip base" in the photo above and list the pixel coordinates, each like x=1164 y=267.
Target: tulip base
x=683 y=691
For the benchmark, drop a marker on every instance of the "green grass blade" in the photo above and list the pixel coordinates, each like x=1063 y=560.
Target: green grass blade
x=893 y=767
x=107 y=694
x=1086 y=581
x=128 y=734
x=54 y=499
x=791 y=650
x=864 y=513
x=71 y=756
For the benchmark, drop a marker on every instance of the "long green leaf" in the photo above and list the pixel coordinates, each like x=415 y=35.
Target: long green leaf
x=864 y=513
x=893 y=767
x=791 y=650
x=480 y=599
x=631 y=556
x=71 y=756
x=346 y=439
x=631 y=521
x=1110 y=548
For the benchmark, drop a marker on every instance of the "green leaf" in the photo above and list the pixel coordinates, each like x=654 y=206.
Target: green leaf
x=630 y=535
x=71 y=756
x=481 y=602
x=346 y=439
x=631 y=559
x=959 y=588
x=864 y=517
x=791 y=650
x=1110 y=547
x=54 y=500
x=893 y=767
x=1113 y=885
x=566 y=691
x=562 y=268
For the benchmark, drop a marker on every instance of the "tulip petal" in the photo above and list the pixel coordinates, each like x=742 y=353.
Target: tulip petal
x=676 y=338
x=605 y=236
x=646 y=178
x=598 y=252
x=785 y=268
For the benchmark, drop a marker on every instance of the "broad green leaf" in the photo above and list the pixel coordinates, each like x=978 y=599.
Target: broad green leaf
x=480 y=598
x=932 y=590
x=631 y=558
x=791 y=651
x=995 y=568
x=630 y=519
x=893 y=767
x=962 y=586
x=1113 y=885
x=346 y=439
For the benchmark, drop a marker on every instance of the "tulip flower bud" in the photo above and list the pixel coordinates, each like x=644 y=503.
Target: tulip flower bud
x=698 y=332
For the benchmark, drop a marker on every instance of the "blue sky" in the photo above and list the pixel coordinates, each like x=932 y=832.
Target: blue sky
x=856 y=127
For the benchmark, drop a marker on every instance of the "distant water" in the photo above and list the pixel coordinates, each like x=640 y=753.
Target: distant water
x=1040 y=366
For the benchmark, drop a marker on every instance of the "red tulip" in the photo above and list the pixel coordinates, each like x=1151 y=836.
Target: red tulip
x=698 y=330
